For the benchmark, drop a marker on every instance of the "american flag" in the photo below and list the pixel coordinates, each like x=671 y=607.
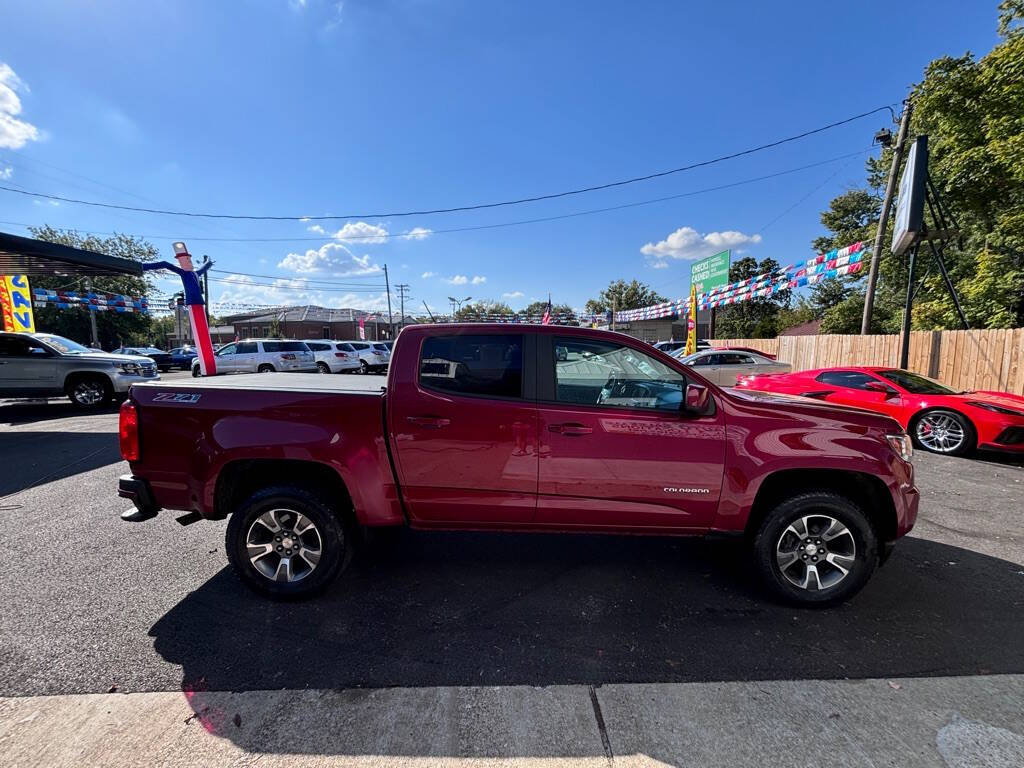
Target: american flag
x=546 y=319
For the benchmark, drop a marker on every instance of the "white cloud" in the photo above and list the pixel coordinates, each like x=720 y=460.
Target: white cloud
x=6 y=173
x=479 y=280
x=427 y=275
x=360 y=231
x=418 y=233
x=316 y=228
x=14 y=133
x=659 y=265
x=458 y=280
x=688 y=243
x=52 y=203
x=330 y=258
x=513 y=295
x=241 y=289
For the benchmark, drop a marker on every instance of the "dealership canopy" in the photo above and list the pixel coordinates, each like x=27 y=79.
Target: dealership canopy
x=26 y=256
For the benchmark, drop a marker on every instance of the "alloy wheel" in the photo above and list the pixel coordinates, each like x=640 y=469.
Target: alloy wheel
x=283 y=545
x=816 y=552
x=88 y=392
x=940 y=432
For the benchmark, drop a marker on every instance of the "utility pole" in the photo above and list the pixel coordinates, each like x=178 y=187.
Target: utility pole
x=403 y=291
x=387 y=286
x=92 y=319
x=883 y=220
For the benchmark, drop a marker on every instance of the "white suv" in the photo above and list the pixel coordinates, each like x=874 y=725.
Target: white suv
x=262 y=356
x=334 y=356
x=371 y=358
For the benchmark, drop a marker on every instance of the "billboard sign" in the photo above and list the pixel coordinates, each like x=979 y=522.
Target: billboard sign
x=711 y=272
x=909 y=219
x=16 y=304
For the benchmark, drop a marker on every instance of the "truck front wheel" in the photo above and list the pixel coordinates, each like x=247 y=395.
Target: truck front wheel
x=287 y=543
x=816 y=549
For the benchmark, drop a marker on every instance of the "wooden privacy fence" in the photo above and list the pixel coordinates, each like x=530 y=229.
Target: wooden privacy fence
x=989 y=359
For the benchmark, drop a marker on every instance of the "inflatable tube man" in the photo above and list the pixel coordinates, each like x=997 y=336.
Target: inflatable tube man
x=194 y=302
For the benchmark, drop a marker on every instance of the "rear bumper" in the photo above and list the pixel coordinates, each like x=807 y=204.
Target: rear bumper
x=137 y=490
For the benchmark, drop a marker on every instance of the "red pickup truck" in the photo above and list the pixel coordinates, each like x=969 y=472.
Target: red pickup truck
x=511 y=427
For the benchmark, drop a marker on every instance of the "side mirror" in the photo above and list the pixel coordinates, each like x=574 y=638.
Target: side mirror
x=696 y=399
x=877 y=386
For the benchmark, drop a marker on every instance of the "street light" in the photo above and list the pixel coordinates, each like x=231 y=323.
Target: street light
x=457 y=304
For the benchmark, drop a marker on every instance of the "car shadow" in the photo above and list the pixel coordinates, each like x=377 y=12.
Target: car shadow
x=453 y=609
x=15 y=412
x=36 y=458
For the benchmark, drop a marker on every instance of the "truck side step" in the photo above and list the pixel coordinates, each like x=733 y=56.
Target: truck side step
x=189 y=518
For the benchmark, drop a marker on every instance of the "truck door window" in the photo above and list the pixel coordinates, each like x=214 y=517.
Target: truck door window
x=228 y=350
x=482 y=365
x=614 y=375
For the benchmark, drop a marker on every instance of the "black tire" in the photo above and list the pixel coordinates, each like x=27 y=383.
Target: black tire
x=196 y=372
x=363 y=367
x=164 y=368
x=323 y=367
x=265 y=368
x=967 y=444
x=859 y=544
x=89 y=391
x=335 y=538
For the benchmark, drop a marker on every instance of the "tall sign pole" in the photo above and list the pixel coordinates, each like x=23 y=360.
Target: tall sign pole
x=387 y=287
x=883 y=220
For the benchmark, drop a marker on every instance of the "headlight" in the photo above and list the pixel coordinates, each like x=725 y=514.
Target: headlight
x=132 y=369
x=995 y=408
x=902 y=444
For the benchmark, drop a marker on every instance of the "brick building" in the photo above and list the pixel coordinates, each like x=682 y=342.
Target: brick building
x=312 y=322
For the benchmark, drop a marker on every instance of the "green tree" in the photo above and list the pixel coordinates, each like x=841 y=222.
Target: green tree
x=539 y=307
x=274 y=331
x=622 y=295
x=113 y=328
x=481 y=309
x=757 y=318
x=972 y=111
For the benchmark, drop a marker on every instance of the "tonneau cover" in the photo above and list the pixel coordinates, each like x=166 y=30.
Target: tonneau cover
x=281 y=382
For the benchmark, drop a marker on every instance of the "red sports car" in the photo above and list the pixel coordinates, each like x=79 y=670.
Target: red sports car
x=939 y=419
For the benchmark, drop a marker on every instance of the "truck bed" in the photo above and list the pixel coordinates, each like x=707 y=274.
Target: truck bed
x=280 y=382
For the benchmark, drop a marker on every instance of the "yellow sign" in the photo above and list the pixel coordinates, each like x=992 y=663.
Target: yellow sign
x=691 y=322
x=16 y=304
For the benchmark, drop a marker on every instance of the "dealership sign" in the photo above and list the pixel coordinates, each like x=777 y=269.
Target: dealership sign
x=16 y=304
x=710 y=273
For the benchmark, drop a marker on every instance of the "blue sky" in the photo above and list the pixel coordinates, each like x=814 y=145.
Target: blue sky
x=319 y=108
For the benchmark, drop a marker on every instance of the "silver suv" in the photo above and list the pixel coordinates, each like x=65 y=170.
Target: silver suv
x=262 y=356
x=373 y=355
x=45 y=365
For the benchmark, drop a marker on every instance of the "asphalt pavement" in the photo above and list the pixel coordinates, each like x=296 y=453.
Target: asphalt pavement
x=93 y=605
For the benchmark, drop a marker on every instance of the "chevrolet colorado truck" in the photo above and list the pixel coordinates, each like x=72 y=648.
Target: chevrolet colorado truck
x=519 y=428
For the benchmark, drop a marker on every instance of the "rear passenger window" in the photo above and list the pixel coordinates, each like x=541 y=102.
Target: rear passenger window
x=246 y=348
x=482 y=365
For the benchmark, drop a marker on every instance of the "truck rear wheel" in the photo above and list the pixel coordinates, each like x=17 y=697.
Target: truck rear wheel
x=287 y=543
x=816 y=549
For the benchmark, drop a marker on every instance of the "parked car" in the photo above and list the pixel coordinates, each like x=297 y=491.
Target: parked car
x=182 y=357
x=482 y=427
x=371 y=359
x=724 y=368
x=46 y=365
x=939 y=418
x=262 y=356
x=162 y=359
x=334 y=356
x=668 y=347
x=769 y=355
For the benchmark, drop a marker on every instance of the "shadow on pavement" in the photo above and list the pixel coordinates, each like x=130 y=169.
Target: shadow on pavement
x=434 y=609
x=36 y=458
x=30 y=411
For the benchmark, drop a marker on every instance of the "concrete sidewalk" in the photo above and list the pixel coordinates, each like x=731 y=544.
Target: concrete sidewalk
x=958 y=722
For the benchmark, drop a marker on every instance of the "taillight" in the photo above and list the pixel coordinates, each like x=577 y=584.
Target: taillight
x=341 y=354
x=128 y=431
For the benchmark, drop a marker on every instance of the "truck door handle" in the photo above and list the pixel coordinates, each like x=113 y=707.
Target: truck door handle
x=428 y=422
x=570 y=428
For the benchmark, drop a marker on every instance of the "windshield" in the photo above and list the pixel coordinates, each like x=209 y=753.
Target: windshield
x=64 y=346
x=916 y=384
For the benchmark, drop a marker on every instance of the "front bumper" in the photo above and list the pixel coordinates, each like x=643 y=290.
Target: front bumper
x=122 y=381
x=137 y=490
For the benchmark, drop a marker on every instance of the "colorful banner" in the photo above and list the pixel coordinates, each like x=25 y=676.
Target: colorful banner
x=16 y=304
x=691 y=322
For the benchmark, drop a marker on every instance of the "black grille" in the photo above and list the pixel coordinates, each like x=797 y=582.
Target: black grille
x=1011 y=436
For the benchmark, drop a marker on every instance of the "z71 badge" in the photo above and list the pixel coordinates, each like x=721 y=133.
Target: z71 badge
x=176 y=397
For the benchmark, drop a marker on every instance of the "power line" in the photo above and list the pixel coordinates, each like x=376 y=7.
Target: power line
x=308 y=279
x=461 y=208
x=498 y=225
